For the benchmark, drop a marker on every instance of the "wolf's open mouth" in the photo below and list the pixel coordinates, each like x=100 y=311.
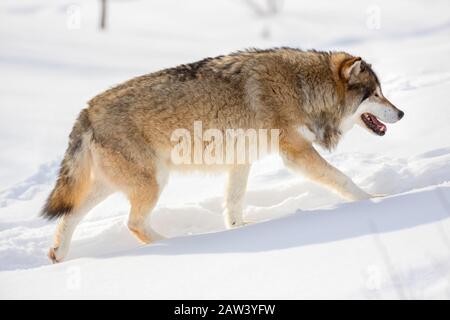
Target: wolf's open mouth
x=374 y=124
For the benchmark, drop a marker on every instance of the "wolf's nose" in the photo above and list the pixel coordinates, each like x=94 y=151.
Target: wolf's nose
x=400 y=114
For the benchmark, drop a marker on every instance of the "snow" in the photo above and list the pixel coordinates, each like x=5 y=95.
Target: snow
x=305 y=242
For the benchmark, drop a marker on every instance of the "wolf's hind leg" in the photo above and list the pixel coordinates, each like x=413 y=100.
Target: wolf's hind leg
x=143 y=196
x=235 y=195
x=301 y=156
x=67 y=224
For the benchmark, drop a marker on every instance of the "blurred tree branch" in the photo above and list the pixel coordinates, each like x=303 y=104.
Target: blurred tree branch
x=271 y=8
x=103 y=14
x=268 y=11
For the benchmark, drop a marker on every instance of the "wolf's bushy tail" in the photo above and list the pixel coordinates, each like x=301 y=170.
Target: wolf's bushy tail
x=74 y=175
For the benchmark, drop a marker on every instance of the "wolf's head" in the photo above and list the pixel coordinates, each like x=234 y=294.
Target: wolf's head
x=364 y=101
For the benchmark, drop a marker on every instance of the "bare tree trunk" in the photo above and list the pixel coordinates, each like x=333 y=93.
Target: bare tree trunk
x=103 y=14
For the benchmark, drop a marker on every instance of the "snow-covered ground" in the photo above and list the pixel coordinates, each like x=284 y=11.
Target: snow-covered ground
x=308 y=244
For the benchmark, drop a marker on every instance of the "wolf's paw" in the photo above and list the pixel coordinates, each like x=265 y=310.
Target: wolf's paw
x=379 y=195
x=141 y=234
x=233 y=224
x=145 y=234
x=55 y=255
x=357 y=194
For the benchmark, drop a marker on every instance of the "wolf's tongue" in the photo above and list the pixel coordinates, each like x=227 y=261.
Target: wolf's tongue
x=380 y=126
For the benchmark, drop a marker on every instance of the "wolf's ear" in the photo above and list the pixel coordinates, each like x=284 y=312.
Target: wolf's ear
x=351 y=68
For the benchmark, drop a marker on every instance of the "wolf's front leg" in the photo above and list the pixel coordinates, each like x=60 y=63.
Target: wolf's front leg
x=235 y=195
x=302 y=157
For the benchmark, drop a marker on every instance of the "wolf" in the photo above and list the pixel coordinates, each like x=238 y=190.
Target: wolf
x=121 y=142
